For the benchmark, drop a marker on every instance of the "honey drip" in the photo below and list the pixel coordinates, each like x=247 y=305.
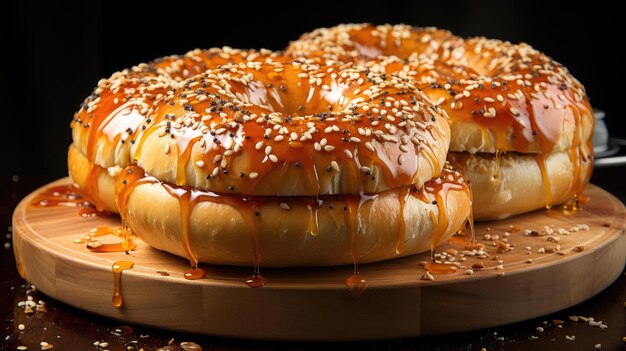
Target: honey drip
x=470 y=216
x=91 y=190
x=131 y=177
x=313 y=226
x=63 y=195
x=545 y=178
x=96 y=246
x=246 y=206
x=67 y=196
x=183 y=158
x=441 y=222
x=356 y=283
x=249 y=214
x=186 y=204
x=402 y=198
x=117 y=268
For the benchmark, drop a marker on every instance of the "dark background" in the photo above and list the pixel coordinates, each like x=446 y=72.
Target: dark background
x=55 y=53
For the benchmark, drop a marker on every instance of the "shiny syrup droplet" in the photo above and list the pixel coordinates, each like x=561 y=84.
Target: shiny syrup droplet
x=117 y=269
x=356 y=285
x=194 y=273
x=255 y=281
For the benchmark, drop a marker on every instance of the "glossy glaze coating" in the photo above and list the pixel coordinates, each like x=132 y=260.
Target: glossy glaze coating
x=107 y=123
x=521 y=94
x=295 y=128
x=348 y=213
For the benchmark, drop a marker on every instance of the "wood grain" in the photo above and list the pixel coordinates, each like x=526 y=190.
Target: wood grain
x=313 y=304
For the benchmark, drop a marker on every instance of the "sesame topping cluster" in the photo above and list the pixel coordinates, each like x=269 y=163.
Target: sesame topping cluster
x=513 y=90
x=270 y=113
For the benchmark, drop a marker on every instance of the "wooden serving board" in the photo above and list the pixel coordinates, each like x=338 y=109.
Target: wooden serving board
x=314 y=303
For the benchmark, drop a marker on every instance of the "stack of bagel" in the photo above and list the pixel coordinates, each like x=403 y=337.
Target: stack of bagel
x=333 y=151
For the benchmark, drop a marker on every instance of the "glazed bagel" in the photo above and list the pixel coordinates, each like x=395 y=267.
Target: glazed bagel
x=292 y=129
x=105 y=126
x=500 y=97
x=237 y=156
x=285 y=231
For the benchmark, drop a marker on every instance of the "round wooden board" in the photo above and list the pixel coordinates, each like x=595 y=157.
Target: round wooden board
x=313 y=303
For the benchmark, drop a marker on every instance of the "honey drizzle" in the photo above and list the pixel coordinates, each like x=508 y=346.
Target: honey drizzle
x=98 y=247
x=186 y=203
x=441 y=220
x=313 y=225
x=91 y=190
x=356 y=283
x=62 y=195
x=67 y=196
x=117 y=268
x=183 y=157
x=545 y=178
x=402 y=198
x=130 y=178
x=470 y=216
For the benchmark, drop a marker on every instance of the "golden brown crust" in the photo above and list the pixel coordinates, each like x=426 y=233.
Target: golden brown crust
x=515 y=183
x=293 y=129
x=511 y=96
x=105 y=126
x=229 y=229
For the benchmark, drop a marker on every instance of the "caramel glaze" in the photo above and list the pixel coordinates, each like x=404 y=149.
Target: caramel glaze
x=96 y=246
x=109 y=119
x=117 y=268
x=237 y=125
x=130 y=178
x=67 y=196
x=515 y=94
x=248 y=206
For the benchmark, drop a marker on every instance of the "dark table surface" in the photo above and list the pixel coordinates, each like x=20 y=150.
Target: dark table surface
x=67 y=328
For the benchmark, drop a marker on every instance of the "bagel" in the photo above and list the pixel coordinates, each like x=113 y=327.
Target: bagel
x=103 y=129
x=293 y=129
x=500 y=97
x=287 y=231
x=237 y=156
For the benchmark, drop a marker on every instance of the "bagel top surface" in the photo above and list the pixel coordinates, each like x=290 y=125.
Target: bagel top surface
x=499 y=96
x=293 y=128
x=103 y=127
